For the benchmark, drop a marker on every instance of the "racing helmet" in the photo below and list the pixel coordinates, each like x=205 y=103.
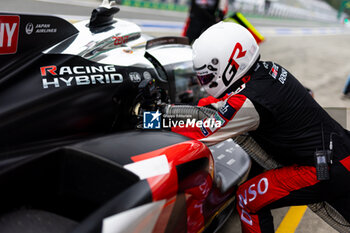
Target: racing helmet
x=223 y=54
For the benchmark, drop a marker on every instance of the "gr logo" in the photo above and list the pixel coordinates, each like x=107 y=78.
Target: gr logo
x=232 y=65
x=9 y=27
x=151 y=120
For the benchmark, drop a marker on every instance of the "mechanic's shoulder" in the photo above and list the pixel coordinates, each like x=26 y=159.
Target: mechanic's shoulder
x=266 y=65
x=234 y=97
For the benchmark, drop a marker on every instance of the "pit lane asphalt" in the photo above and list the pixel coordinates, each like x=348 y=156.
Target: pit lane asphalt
x=319 y=62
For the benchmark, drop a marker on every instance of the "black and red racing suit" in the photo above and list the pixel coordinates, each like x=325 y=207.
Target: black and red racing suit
x=280 y=114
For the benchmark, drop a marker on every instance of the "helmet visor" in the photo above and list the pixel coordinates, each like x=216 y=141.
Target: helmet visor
x=205 y=79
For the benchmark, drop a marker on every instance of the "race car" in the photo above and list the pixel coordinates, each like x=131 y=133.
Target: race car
x=72 y=157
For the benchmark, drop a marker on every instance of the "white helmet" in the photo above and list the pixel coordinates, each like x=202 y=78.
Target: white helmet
x=223 y=54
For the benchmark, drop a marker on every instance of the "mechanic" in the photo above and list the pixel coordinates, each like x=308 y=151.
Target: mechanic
x=267 y=101
x=202 y=15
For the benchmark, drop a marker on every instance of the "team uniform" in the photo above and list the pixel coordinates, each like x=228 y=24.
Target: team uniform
x=202 y=16
x=280 y=114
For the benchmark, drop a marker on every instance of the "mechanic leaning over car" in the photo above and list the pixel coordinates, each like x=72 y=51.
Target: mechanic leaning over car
x=278 y=112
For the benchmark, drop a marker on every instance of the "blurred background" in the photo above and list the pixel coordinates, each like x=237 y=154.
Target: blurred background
x=297 y=9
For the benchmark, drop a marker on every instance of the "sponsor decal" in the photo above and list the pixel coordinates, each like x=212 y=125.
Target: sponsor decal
x=166 y=41
x=39 y=28
x=227 y=111
x=274 y=71
x=151 y=120
x=266 y=66
x=240 y=89
x=246 y=79
x=119 y=40
x=147 y=75
x=249 y=195
x=242 y=66
x=29 y=28
x=232 y=65
x=283 y=76
x=252 y=50
x=257 y=67
x=49 y=69
x=218 y=118
x=9 y=27
x=65 y=76
x=44 y=28
x=204 y=131
x=203 y=72
x=135 y=77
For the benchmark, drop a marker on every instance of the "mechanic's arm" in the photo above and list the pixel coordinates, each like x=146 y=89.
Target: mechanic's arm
x=237 y=116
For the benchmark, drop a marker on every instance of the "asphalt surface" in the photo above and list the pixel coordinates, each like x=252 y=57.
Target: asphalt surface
x=320 y=62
